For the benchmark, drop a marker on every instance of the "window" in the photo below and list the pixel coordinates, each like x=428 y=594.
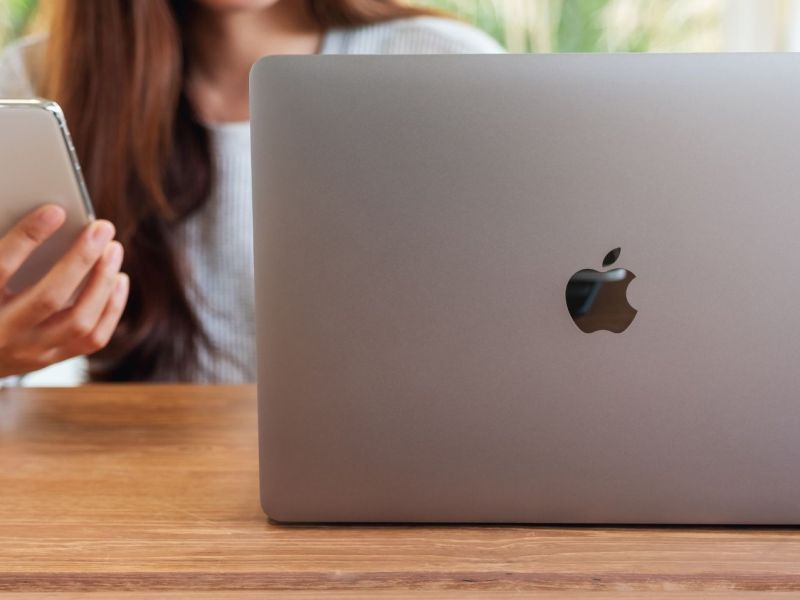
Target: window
x=766 y=25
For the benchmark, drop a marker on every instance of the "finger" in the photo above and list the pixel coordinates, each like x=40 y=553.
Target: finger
x=27 y=235
x=81 y=319
x=56 y=289
x=112 y=314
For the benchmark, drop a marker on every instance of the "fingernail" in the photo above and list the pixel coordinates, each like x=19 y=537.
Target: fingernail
x=101 y=232
x=122 y=284
x=51 y=216
x=114 y=256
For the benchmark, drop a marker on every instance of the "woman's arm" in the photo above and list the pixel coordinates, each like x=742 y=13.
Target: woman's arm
x=417 y=35
x=15 y=76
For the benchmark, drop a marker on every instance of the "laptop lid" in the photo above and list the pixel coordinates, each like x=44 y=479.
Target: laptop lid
x=418 y=221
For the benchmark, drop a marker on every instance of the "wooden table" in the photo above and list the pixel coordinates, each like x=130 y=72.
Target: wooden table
x=151 y=492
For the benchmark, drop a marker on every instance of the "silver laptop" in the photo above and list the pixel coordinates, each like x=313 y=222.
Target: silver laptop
x=532 y=289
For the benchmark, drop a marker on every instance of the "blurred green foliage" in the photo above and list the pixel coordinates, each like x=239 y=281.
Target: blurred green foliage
x=541 y=25
x=14 y=17
x=594 y=25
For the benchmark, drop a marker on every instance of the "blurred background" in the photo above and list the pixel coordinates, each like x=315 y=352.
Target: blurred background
x=589 y=25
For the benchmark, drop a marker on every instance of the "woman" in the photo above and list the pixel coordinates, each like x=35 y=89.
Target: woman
x=156 y=95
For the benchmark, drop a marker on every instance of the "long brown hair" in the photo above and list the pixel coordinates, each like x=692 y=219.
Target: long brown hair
x=117 y=67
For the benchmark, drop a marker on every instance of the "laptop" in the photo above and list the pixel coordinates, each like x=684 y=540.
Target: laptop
x=528 y=289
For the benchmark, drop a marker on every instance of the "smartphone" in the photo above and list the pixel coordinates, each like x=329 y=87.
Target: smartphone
x=38 y=165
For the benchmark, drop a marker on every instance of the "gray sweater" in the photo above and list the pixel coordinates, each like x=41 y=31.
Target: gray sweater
x=217 y=242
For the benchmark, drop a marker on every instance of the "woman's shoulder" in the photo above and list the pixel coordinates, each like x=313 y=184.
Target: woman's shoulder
x=416 y=35
x=16 y=67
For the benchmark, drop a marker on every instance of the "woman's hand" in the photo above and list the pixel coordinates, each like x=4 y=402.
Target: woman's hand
x=40 y=326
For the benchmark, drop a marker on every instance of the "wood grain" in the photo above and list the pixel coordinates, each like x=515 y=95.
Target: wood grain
x=153 y=490
x=399 y=595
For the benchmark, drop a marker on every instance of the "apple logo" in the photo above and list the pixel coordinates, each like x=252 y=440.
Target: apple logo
x=598 y=300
